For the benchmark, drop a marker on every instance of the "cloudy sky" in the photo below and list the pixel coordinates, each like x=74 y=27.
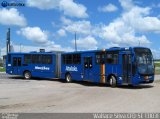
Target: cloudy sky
x=51 y=24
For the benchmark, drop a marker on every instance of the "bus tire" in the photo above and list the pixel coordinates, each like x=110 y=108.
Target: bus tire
x=27 y=75
x=68 y=78
x=112 y=81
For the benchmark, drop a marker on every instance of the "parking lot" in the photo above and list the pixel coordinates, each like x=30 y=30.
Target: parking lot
x=39 y=95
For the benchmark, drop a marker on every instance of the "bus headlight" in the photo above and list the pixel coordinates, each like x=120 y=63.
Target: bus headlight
x=120 y=78
x=146 y=77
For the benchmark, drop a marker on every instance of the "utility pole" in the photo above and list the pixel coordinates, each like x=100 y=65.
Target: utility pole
x=8 y=48
x=0 y=50
x=75 y=42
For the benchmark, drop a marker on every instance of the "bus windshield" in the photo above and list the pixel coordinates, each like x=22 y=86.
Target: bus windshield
x=144 y=60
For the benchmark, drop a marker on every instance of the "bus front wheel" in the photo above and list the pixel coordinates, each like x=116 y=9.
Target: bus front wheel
x=68 y=78
x=112 y=81
x=27 y=75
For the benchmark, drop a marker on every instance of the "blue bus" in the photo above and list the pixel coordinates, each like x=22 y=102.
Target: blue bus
x=113 y=66
x=33 y=64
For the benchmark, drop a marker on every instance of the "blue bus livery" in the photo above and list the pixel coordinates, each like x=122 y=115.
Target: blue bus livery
x=113 y=66
x=32 y=64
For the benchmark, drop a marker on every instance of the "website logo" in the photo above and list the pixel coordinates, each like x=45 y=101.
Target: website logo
x=5 y=4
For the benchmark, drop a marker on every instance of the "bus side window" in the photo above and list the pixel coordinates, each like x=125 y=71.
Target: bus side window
x=109 y=58
x=112 y=58
x=100 y=58
x=76 y=59
x=19 y=61
x=14 y=61
x=71 y=58
x=27 y=59
x=115 y=58
x=63 y=59
x=46 y=59
x=36 y=59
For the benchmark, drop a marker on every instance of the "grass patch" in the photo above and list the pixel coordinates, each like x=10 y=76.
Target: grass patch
x=157 y=67
x=157 y=71
x=2 y=69
x=157 y=64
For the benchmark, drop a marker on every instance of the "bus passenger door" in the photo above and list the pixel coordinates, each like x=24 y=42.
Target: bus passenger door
x=88 y=68
x=127 y=68
x=17 y=62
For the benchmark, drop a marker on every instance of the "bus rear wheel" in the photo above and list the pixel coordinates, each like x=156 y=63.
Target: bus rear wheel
x=27 y=75
x=112 y=81
x=68 y=78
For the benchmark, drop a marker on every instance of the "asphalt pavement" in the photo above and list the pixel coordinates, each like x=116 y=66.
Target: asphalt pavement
x=50 y=96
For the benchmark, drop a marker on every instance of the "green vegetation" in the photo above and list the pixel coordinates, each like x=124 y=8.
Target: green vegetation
x=2 y=69
x=157 y=64
x=157 y=67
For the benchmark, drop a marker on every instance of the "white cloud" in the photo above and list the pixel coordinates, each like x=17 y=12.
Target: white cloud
x=65 y=21
x=133 y=20
x=109 y=45
x=80 y=27
x=34 y=34
x=88 y=43
x=73 y=9
x=108 y=8
x=118 y=32
x=55 y=24
x=139 y=19
x=126 y=4
x=61 y=32
x=43 y=4
x=12 y=17
x=41 y=38
x=156 y=53
x=68 y=7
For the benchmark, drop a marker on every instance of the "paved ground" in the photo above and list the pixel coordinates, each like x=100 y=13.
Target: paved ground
x=17 y=95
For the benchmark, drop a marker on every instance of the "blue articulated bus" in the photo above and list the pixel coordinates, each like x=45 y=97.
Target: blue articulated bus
x=33 y=64
x=114 y=66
